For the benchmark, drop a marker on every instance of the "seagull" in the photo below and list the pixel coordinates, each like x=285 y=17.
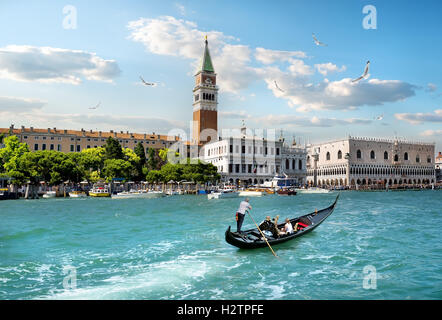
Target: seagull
x=278 y=87
x=96 y=107
x=365 y=75
x=379 y=117
x=318 y=43
x=147 y=83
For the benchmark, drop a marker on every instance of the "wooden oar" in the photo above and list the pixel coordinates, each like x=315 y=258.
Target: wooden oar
x=262 y=234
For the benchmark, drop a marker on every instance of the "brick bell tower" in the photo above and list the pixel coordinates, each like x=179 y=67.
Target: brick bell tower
x=205 y=100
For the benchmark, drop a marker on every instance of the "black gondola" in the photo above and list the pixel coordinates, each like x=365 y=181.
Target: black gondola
x=251 y=239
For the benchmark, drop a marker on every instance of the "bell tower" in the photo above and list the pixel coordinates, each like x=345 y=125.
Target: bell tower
x=205 y=100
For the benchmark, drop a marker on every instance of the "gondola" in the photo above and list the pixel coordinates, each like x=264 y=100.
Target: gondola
x=251 y=239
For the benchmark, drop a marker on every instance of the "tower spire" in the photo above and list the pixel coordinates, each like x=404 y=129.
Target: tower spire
x=206 y=61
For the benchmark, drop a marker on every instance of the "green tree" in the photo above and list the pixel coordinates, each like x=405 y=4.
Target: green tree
x=152 y=159
x=117 y=168
x=10 y=157
x=154 y=176
x=113 y=149
x=141 y=165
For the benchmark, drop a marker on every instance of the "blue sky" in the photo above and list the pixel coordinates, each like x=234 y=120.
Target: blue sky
x=50 y=76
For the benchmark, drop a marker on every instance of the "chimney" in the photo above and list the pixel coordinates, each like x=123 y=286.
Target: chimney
x=55 y=129
x=31 y=129
x=11 y=127
x=144 y=136
x=121 y=132
x=22 y=128
x=49 y=130
x=91 y=131
x=65 y=131
x=99 y=133
x=112 y=131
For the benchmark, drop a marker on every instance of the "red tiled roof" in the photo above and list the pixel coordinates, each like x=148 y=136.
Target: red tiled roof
x=93 y=134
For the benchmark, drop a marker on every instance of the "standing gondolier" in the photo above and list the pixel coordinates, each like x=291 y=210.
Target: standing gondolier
x=241 y=212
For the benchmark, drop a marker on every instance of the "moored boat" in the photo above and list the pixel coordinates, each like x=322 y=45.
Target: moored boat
x=222 y=194
x=77 y=194
x=286 y=192
x=99 y=192
x=138 y=194
x=50 y=194
x=251 y=239
x=313 y=190
x=252 y=193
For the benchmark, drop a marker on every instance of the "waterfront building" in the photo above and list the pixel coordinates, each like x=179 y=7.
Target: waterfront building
x=438 y=167
x=77 y=140
x=249 y=159
x=370 y=161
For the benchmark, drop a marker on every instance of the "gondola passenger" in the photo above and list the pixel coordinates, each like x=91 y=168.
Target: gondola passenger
x=288 y=228
x=270 y=225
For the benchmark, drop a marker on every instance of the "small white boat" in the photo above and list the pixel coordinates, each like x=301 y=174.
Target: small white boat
x=77 y=194
x=222 y=194
x=252 y=193
x=313 y=190
x=50 y=194
x=138 y=194
x=173 y=192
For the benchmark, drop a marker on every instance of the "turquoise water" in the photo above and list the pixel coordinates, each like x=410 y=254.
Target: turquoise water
x=174 y=248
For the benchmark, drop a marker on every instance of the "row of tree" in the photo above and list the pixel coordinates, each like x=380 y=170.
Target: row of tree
x=105 y=163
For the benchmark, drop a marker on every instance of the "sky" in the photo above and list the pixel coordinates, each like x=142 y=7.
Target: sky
x=60 y=59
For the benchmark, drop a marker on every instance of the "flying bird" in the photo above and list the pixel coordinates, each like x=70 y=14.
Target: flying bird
x=96 y=107
x=278 y=87
x=147 y=83
x=365 y=75
x=379 y=117
x=318 y=43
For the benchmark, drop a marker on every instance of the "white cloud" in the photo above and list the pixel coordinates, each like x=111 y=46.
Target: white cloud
x=417 y=118
x=432 y=133
x=233 y=114
x=267 y=56
x=326 y=68
x=18 y=104
x=47 y=64
x=300 y=121
x=237 y=71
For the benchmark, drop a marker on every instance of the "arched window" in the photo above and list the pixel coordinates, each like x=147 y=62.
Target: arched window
x=287 y=164
x=328 y=155
x=339 y=154
x=406 y=156
x=300 y=164
x=358 y=154
x=372 y=154
x=418 y=159
x=428 y=159
x=385 y=155
x=293 y=164
x=396 y=157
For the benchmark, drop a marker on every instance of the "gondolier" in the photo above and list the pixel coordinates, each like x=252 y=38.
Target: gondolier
x=241 y=212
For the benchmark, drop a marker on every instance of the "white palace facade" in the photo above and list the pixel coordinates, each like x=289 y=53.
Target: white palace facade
x=246 y=159
x=369 y=161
